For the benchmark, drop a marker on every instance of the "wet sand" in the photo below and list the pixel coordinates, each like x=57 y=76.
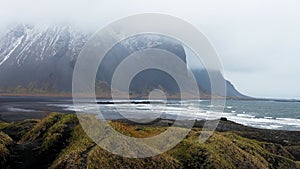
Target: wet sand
x=21 y=108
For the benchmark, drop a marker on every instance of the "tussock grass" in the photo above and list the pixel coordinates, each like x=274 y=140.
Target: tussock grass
x=17 y=130
x=5 y=154
x=60 y=142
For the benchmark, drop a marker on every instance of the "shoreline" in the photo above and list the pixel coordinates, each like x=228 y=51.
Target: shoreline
x=223 y=125
x=69 y=95
x=20 y=108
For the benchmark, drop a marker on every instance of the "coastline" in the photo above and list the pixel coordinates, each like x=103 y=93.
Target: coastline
x=18 y=108
x=224 y=125
x=108 y=97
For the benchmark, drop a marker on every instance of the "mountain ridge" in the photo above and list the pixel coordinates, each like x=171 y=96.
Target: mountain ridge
x=40 y=59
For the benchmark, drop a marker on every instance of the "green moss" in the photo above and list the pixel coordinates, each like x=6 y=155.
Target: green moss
x=222 y=150
x=17 y=130
x=74 y=155
x=49 y=137
x=3 y=125
x=99 y=158
x=228 y=150
x=59 y=132
x=191 y=154
x=37 y=133
x=275 y=154
x=83 y=152
x=137 y=131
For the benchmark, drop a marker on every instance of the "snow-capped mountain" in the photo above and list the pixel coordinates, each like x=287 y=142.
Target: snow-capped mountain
x=29 y=44
x=40 y=55
x=43 y=57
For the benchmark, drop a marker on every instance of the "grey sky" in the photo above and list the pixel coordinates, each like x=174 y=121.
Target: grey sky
x=257 y=40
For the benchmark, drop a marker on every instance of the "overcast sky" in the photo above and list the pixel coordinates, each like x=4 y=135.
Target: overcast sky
x=257 y=40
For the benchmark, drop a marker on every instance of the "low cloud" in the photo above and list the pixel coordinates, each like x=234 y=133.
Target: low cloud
x=257 y=41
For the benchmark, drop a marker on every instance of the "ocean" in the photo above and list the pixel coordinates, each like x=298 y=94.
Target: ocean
x=260 y=114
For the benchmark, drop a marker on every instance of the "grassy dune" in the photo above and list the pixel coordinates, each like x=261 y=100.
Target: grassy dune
x=58 y=141
x=5 y=143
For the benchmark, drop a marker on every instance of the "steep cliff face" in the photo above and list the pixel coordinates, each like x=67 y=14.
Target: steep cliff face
x=202 y=78
x=43 y=57
x=148 y=79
